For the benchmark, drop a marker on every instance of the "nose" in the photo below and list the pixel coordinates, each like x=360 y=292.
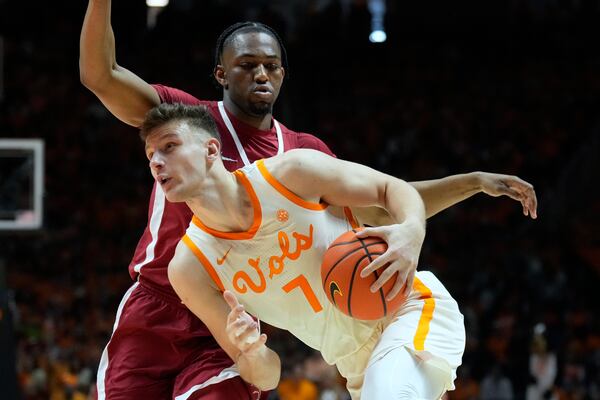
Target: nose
x=260 y=74
x=156 y=162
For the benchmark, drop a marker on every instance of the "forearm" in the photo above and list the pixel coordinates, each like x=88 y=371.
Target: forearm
x=439 y=194
x=96 y=45
x=404 y=203
x=262 y=369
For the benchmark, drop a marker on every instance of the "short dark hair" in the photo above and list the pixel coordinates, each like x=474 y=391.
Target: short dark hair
x=231 y=31
x=197 y=116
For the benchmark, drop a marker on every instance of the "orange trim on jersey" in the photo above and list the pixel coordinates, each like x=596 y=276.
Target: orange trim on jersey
x=426 y=314
x=204 y=261
x=350 y=217
x=249 y=234
x=286 y=192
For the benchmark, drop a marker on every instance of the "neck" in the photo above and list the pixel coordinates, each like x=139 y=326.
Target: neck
x=262 y=122
x=223 y=204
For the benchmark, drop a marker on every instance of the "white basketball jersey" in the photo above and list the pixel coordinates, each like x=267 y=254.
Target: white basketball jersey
x=274 y=267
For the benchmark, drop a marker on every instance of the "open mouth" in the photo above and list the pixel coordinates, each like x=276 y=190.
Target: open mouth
x=163 y=180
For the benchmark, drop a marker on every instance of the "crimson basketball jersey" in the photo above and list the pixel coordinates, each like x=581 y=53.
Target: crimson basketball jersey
x=241 y=145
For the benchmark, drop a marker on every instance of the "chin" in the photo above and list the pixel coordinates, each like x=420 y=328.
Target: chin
x=174 y=198
x=260 y=109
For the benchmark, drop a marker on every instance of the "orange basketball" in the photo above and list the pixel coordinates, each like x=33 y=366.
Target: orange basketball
x=342 y=263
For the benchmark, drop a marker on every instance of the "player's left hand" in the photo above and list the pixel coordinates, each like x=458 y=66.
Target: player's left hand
x=404 y=246
x=512 y=186
x=242 y=330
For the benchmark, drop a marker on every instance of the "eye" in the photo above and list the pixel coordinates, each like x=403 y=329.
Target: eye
x=272 y=66
x=149 y=155
x=170 y=146
x=247 y=65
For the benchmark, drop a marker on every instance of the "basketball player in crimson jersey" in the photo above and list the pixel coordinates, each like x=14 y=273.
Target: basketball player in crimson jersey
x=185 y=361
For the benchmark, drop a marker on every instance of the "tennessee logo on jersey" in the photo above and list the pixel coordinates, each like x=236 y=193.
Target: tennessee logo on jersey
x=282 y=215
x=242 y=280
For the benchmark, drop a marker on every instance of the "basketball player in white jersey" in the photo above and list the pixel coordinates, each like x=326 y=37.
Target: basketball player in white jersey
x=258 y=235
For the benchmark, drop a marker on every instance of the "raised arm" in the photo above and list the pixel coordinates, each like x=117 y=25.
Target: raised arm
x=127 y=96
x=439 y=194
x=235 y=331
x=315 y=176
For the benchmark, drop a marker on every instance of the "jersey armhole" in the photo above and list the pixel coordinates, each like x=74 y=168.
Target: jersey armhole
x=208 y=267
x=284 y=191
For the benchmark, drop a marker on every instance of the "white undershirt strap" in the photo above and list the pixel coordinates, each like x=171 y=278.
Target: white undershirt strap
x=236 y=139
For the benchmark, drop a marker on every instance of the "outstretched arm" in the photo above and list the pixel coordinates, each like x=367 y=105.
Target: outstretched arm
x=315 y=176
x=439 y=194
x=126 y=95
x=233 y=328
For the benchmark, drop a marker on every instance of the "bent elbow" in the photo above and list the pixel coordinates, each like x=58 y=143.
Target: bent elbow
x=94 y=77
x=89 y=80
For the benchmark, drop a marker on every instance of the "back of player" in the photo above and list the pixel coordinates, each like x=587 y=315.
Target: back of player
x=274 y=270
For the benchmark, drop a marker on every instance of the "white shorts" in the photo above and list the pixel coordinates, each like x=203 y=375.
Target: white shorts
x=429 y=325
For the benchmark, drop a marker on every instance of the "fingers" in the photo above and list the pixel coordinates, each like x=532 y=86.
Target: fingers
x=518 y=189
x=385 y=276
x=532 y=203
x=406 y=289
x=245 y=331
x=374 y=265
x=257 y=344
x=379 y=231
x=403 y=283
x=230 y=299
x=237 y=309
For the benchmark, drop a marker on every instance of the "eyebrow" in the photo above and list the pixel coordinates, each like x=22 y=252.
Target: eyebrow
x=275 y=56
x=167 y=136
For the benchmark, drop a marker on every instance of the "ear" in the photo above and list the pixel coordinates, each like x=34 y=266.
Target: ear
x=220 y=76
x=282 y=72
x=213 y=149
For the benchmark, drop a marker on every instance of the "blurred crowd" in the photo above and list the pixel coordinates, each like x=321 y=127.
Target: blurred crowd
x=511 y=87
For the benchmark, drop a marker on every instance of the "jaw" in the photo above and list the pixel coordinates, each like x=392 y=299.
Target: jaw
x=260 y=109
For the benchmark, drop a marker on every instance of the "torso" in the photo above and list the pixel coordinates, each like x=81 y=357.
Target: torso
x=274 y=268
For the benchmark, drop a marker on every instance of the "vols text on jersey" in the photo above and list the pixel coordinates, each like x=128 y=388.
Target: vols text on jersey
x=242 y=281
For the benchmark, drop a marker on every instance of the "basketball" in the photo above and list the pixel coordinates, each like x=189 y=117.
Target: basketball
x=342 y=263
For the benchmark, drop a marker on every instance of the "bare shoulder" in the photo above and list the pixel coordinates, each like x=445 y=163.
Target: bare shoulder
x=296 y=161
x=301 y=171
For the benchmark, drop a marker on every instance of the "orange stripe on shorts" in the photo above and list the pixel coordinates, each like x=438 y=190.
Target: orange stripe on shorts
x=426 y=314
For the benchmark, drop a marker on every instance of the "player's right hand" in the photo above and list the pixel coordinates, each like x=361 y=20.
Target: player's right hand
x=401 y=257
x=242 y=330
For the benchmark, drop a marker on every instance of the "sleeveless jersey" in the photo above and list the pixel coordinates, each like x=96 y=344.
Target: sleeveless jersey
x=274 y=267
x=167 y=221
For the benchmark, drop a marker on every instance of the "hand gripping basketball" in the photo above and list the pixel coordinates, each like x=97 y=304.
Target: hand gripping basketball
x=368 y=278
x=242 y=329
x=404 y=246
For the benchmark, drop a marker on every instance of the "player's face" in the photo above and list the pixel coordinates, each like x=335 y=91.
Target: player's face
x=177 y=160
x=252 y=73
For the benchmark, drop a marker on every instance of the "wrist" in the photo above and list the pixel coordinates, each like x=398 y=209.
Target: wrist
x=254 y=353
x=417 y=224
x=475 y=180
